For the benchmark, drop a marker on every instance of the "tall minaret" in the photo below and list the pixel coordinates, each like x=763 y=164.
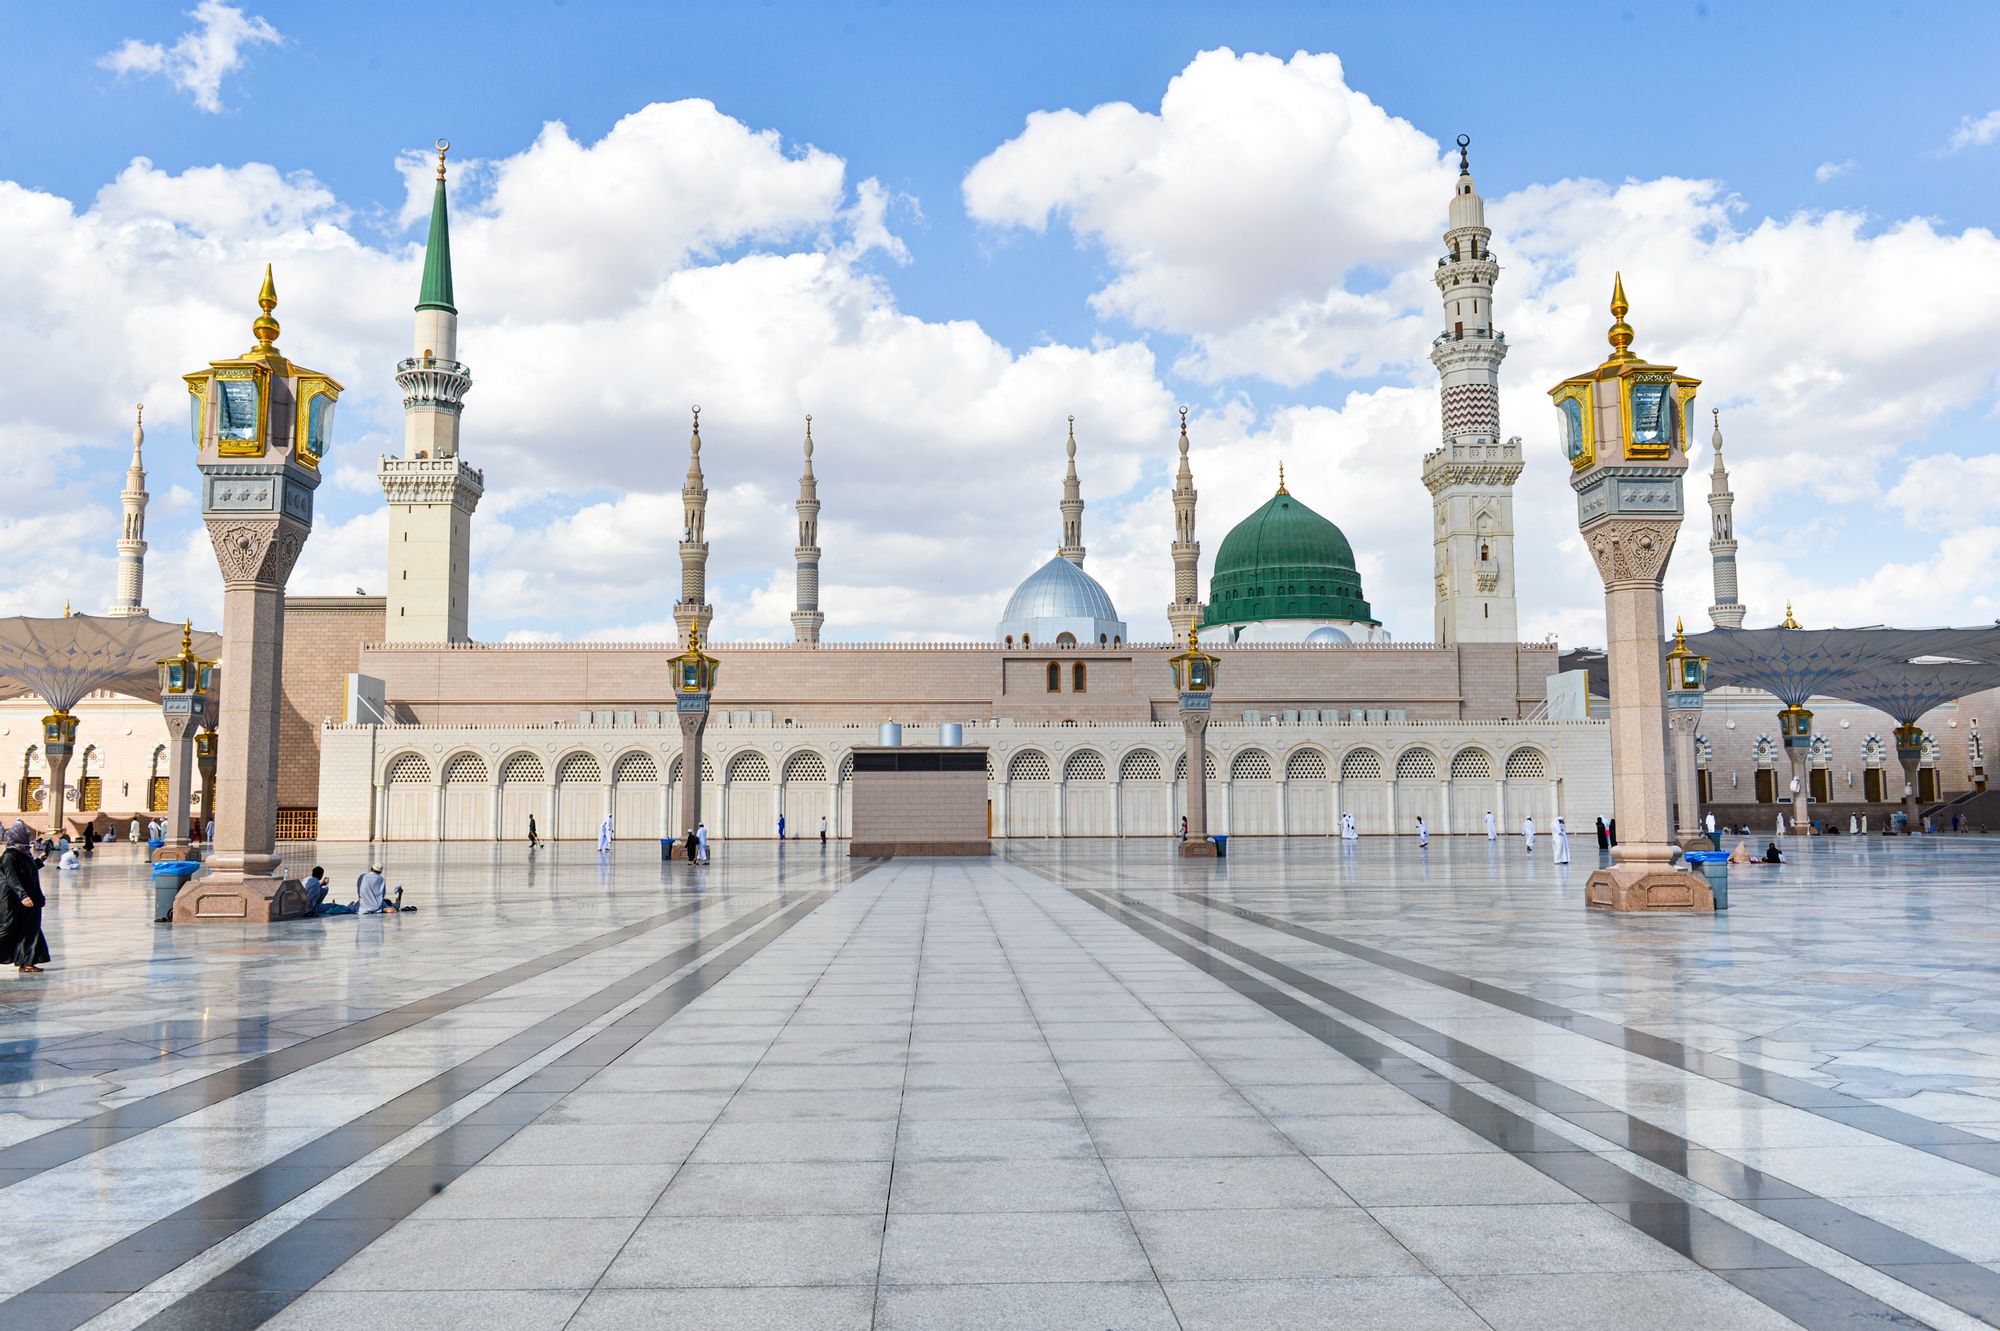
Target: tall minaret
x=1185 y=611
x=806 y=620
x=1727 y=612
x=693 y=609
x=431 y=492
x=132 y=544
x=1471 y=476
x=1072 y=506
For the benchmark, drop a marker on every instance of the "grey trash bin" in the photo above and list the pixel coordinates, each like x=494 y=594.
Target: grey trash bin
x=169 y=877
x=1714 y=865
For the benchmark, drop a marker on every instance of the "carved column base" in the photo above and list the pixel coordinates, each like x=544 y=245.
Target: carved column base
x=173 y=850
x=1203 y=849
x=1650 y=889
x=1693 y=839
x=213 y=899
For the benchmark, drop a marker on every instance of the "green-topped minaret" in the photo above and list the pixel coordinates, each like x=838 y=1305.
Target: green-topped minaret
x=431 y=492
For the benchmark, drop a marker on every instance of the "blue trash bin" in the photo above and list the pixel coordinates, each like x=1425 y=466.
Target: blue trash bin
x=169 y=877
x=1714 y=866
x=1221 y=847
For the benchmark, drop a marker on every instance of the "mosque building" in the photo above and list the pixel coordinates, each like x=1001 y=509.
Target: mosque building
x=397 y=725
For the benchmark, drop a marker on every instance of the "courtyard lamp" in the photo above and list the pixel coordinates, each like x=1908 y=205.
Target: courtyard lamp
x=1194 y=674
x=1687 y=677
x=187 y=682
x=694 y=675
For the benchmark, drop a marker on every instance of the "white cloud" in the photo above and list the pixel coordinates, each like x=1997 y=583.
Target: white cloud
x=1975 y=133
x=1827 y=171
x=1258 y=180
x=604 y=287
x=1945 y=490
x=200 y=59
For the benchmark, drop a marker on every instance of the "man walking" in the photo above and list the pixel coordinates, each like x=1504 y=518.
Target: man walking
x=701 y=843
x=822 y=831
x=534 y=841
x=604 y=836
x=781 y=827
x=1562 y=841
x=1528 y=832
x=1492 y=827
x=1423 y=835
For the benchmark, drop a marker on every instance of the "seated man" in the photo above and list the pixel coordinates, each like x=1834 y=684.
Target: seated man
x=374 y=895
x=1772 y=855
x=315 y=886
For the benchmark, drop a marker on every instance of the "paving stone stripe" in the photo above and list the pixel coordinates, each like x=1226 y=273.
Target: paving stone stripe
x=79 y=1292
x=1885 y=1121
x=1807 y=1295
x=59 y=1146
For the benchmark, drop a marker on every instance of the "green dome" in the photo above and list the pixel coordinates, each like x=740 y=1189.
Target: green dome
x=1285 y=562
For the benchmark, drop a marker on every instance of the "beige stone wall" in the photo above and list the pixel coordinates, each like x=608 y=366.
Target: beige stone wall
x=124 y=738
x=480 y=684
x=918 y=813
x=323 y=638
x=1043 y=780
x=1734 y=719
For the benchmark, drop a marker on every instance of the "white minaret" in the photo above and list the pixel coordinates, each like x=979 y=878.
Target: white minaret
x=806 y=620
x=693 y=609
x=1727 y=612
x=1072 y=506
x=431 y=493
x=1471 y=477
x=1186 y=609
x=132 y=543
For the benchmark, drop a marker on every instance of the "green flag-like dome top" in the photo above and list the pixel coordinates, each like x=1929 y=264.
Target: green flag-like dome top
x=1285 y=562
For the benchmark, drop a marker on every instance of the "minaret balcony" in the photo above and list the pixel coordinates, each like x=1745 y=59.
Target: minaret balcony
x=432 y=384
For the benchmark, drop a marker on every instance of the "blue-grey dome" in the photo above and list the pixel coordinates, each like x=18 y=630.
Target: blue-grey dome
x=1060 y=598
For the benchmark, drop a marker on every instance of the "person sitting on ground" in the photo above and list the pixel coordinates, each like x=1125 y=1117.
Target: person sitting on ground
x=70 y=859
x=1772 y=855
x=373 y=895
x=315 y=886
x=1741 y=855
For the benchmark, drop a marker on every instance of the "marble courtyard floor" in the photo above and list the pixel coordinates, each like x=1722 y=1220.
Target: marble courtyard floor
x=1079 y=1085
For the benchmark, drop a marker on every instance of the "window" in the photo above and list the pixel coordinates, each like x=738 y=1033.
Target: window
x=1306 y=765
x=1139 y=765
x=1084 y=765
x=1055 y=678
x=1250 y=765
x=1078 y=682
x=1065 y=640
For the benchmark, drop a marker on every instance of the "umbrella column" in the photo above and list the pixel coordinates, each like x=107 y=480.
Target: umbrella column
x=1623 y=427
x=1910 y=753
x=185 y=682
x=58 y=744
x=694 y=683
x=1686 y=674
x=1795 y=726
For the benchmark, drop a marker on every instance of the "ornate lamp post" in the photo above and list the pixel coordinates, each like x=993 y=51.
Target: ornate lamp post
x=1795 y=728
x=58 y=743
x=185 y=682
x=1687 y=678
x=1910 y=753
x=261 y=426
x=204 y=761
x=1194 y=679
x=1623 y=427
x=694 y=680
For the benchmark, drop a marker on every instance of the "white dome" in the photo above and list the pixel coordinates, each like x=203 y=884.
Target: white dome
x=1060 y=598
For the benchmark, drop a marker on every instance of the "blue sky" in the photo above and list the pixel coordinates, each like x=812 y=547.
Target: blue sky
x=1791 y=116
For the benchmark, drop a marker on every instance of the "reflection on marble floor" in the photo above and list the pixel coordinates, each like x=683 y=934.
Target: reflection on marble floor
x=1082 y=1084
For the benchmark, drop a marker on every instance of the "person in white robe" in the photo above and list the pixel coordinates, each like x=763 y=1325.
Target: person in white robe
x=135 y=831
x=1492 y=827
x=701 y=843
x=1781 y=824
x=604 y=835
x=1528 y=833
x=1562 y=841
x=1423 y=834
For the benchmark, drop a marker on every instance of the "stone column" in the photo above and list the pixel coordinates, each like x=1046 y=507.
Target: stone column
x=181 y=718
x=256 y=561
x=692 y=710
x=1682 y=722
x=1910 y=753
x=1194 y=724
x=1631 y=555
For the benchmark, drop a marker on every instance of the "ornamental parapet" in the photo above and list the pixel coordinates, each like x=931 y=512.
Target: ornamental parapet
x=431 y=481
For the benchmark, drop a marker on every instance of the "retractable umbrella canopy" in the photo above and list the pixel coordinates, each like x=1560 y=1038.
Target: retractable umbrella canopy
x=64 y=660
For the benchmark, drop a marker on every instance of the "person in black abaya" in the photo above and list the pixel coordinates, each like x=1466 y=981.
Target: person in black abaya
x=21 y=902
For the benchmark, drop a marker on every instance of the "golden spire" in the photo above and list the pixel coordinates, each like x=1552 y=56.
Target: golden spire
x=1680 y=635
x=1790 y=623
x=65 y=609
x=1194 y=636
x=187 y=637
x=264 y=326
x=1281 y=480
x=1620 y=335
x=443 y=146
